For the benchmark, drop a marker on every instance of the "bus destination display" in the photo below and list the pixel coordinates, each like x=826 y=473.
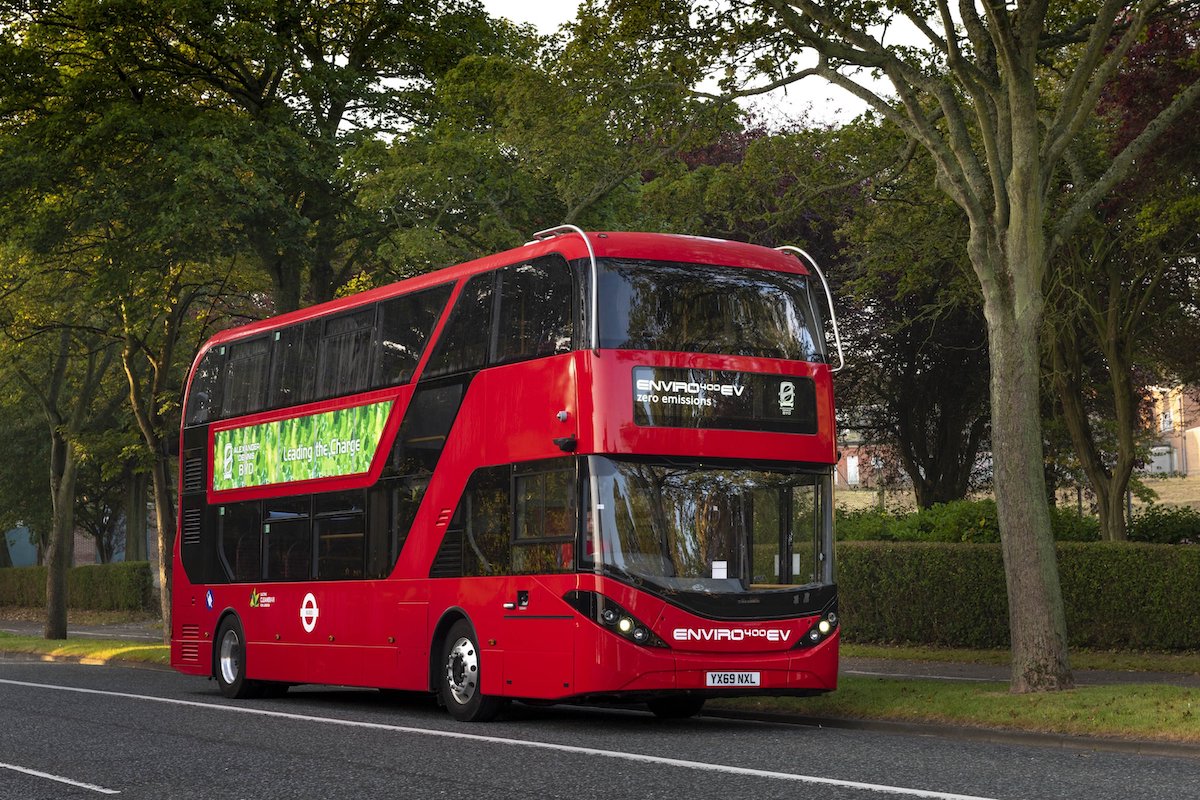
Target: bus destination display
x=698 y=398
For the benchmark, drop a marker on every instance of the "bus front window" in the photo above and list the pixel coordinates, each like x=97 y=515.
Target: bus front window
x=696 y=308
x=686 y=527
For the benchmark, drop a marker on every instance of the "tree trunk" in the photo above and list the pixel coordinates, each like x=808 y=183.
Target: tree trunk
x=164 y=515
x=1037 y=621
x=59 y=554
x=135 y=516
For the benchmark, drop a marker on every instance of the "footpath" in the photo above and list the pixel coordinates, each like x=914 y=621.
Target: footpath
x=150 y=631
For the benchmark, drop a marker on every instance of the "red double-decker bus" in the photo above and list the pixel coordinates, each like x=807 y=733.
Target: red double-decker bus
x=596 y=467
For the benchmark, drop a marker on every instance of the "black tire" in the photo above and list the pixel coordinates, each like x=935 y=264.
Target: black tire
x=458 y=677
x=679 y=707
x=229 y=661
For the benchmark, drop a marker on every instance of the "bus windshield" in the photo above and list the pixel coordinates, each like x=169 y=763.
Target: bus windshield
x=694 y=308
x=694 y=528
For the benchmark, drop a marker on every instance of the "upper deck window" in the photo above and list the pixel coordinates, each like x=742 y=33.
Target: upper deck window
x=696 y=308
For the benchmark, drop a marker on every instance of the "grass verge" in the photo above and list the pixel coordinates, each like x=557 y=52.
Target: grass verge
x=1140 y=711
x=1123 y=661
x=90 y=651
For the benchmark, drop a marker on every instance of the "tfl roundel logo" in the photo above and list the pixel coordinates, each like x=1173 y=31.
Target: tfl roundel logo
x=309 y=613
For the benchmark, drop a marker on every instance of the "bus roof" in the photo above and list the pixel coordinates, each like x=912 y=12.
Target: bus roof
x=650 y=246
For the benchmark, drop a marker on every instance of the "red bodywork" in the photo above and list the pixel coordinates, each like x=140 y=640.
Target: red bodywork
x=380 y=632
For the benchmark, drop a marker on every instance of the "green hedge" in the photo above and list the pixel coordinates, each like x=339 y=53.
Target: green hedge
x=1117 y=596
x=123 y=586
x=976 y=521
x=958 y=521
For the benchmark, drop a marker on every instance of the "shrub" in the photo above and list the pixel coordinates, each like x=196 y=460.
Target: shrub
x=1116 y=595
x=122 y=586
x=863 y=525
x=1165 y=525
x=957 y=521
x=944 y=594
x=1068 y=525
x=23 y=586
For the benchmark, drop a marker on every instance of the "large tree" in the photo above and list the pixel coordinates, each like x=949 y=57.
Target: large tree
x=997 y=95
x=115 y=189
x=1123 y=295
x=290 y=90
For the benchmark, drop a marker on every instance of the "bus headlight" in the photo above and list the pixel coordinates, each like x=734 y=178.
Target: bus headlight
x=820 y=630
x=612 y=617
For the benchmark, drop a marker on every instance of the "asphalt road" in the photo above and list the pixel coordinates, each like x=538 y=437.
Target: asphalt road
x=74 y=731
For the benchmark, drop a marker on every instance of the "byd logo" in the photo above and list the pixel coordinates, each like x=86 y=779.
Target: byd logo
x=729 y=634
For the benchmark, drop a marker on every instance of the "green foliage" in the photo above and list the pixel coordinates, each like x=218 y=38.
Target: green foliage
x=1117 y=596
x=123 y=586
x=958 y=521
x=863 y=525
x=1071 y=526
x=1165 y=525
x=951 y=595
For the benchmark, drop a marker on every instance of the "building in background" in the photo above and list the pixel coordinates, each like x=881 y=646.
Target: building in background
x=1176 y=420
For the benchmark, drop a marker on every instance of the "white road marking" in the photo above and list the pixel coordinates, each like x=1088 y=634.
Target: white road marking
x=561 y=748
x=59 y=779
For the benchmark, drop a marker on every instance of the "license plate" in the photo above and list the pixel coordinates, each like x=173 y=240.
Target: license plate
x=732 y=680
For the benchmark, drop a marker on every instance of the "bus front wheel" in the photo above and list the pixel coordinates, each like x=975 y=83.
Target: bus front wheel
x=458 y=683
x=231 y=661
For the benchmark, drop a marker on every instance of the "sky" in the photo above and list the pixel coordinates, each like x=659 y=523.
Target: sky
x=824 y=104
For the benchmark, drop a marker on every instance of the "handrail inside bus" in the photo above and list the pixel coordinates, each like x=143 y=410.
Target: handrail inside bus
x=558 y=230
x=837 y=338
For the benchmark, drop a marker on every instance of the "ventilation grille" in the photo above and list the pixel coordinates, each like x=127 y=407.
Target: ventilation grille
x=193 y=475
x=448 y=563
x=189 y=651
x=191 y=527
x=190 y=632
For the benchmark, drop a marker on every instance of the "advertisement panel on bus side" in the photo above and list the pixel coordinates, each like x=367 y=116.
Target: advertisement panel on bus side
x=329 y=444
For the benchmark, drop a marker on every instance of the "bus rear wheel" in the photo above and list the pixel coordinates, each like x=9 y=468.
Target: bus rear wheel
x=458 y=683
x=230 y=667
x=676 y=707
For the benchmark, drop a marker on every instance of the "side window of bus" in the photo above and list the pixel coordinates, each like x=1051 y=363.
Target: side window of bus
x=344 y=355
x=391 y=508
x=289 y=538
x=404 y=327
x=393 y=503
x=427 y=423
x=246 y=377
x=294 y=366
x=240 y=531
x=485 y=518
x=535 y=310
x=204 y=397
x=464 y=343
x=338 y=523
x=544 y=518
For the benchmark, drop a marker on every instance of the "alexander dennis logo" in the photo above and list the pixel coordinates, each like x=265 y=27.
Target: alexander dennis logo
x=227 y=464
x=787 y=398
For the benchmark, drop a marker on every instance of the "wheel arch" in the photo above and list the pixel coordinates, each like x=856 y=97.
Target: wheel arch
x=216 y=645
x=449 y=617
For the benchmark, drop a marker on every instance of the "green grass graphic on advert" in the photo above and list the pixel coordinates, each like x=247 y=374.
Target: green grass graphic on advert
x=330 y=444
